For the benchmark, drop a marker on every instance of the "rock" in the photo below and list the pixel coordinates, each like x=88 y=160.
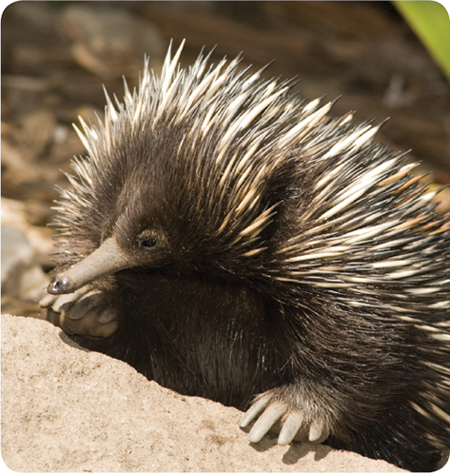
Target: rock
x=23 y=216
x=68 y=409
x=22 y=278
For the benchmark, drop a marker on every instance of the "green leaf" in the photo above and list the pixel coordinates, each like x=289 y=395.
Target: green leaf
x=430 y=21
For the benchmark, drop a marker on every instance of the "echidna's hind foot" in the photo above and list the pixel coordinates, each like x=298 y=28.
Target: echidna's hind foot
x=277 y=415
x=83 y=312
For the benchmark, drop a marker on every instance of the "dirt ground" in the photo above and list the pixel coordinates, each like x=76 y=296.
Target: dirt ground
x=67 y=409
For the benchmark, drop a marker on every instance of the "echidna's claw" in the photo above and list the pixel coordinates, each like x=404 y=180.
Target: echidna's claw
x=47 y=300
x=107 y=316
x=254 y=411
x=64 y=302
x=83 y=312
x=291 y=427
x=86 y=302
x=295 y=423
x=318 y=431
x=268 y=419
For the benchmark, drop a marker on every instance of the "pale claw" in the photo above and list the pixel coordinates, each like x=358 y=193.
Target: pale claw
x=318 y=431
x=64 y=302
x=82 y=312
x=92 y=324
x=291 y=427
x=296 y=424
x=83 y=304
x=267 y=420
x=47 y=300
x=106 y=317
x=254 y=411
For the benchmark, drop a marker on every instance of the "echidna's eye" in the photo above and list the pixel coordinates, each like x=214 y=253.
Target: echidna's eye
x=148 y=239
x=149 y=243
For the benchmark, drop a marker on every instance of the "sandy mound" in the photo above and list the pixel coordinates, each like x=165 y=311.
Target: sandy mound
x=68 y=409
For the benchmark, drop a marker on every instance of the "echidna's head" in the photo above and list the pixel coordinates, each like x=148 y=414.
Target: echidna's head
x=188 y=172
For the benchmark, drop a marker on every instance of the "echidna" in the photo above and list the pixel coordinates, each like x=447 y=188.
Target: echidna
x=230 y=240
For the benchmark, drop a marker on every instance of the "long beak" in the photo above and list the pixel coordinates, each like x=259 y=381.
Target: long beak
x=107 y=259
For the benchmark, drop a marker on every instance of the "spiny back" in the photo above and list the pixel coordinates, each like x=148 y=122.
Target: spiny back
x=246 y=169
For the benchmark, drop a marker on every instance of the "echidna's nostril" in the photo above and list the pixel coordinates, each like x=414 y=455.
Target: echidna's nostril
x=58 y=285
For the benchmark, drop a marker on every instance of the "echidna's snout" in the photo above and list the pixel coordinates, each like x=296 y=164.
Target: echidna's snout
x=107 y=259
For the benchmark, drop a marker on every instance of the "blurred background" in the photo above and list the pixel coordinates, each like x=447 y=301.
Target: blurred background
x=56 y=56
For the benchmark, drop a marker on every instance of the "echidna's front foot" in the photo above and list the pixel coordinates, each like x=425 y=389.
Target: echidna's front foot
x=296 y=423
x=83 y=312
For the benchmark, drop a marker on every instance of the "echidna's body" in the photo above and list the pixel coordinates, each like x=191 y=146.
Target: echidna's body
x=247 y=241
